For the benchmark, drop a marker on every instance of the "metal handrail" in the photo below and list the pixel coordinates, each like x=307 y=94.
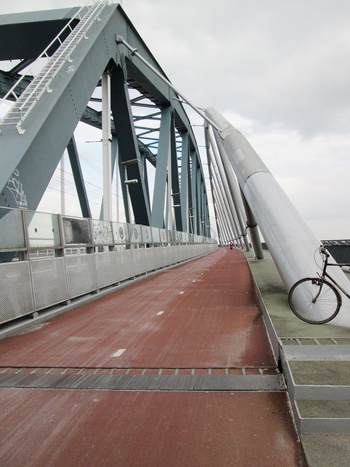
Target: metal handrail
x=26 y=101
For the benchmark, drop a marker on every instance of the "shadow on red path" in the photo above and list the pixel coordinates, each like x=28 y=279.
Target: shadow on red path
x=200 y=318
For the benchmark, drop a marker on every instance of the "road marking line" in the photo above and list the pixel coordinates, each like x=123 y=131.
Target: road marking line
x=160 y=313
x=118 y=353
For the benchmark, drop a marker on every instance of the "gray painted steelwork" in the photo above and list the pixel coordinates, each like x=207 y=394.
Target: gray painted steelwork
x=28 y=160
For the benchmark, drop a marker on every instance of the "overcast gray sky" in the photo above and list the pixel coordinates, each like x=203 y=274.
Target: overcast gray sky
x=279 y=70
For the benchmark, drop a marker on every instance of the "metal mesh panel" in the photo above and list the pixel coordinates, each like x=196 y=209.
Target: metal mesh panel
x=182 y=253
x=158 y=257
x=85 y=273
x=187 y=251
x=174 y=254
x=49 y=283
x=106 y=269
x=196 y=250
x=190 y=252
x=16 y=298
x=139 y=260
x=124 y=265
x=170 y=255
x=81 y=274
x=165 y=259
x=150 y=257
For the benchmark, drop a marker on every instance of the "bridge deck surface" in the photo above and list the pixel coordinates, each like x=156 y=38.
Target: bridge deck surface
x=173 y=370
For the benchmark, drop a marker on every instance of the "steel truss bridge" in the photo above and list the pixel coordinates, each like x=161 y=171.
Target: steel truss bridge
x=148 y=124
x=90 y=65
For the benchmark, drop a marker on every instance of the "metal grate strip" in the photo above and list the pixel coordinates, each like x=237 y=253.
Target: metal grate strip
x=145 y=382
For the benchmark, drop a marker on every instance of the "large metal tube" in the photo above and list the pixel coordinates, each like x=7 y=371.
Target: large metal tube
x=225 y=199
x=253 y=228
x=291 y=242
x=229 y=190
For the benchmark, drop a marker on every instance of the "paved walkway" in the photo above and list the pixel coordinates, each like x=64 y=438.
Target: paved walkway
x=174 y=370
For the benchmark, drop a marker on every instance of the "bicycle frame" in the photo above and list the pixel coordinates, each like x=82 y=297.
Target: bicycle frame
x=325 y=274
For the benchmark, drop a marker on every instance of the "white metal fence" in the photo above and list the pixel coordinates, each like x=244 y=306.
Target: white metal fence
x=49 y=259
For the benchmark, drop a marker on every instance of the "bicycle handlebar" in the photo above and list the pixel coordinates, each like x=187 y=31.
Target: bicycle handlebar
x=324 y=251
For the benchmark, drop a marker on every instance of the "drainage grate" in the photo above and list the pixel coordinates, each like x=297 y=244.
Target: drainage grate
x=141 y=381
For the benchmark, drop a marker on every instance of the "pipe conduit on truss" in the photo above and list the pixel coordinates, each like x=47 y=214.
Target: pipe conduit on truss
x=291 y=242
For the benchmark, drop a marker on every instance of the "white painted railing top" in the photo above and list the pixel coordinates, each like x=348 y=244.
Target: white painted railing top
x=40 y=84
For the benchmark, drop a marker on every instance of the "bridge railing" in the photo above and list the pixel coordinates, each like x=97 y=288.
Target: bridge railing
x=48 y=260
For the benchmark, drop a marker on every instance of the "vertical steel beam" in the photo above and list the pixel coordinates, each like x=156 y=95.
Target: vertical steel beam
x=78 y=177
x=63 y=187
x=169 y=201
x=128 y=146
x=203 y=212
x=145 y=176
x=124 y=191
x=193 y=207
x=106 y=146
x=198 y=200
x=160 y=182
x=175 y=184
x=184 y=195
x=114 y=166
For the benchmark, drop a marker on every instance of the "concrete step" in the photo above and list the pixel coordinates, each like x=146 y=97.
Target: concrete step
x=323 y=450
x=319 y=380
x=323 y=416
x=320 y=395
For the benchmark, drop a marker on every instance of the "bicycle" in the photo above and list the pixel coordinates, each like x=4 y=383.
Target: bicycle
x=314 y=299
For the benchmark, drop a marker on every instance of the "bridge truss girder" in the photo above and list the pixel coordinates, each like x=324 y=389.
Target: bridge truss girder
x=28 y=160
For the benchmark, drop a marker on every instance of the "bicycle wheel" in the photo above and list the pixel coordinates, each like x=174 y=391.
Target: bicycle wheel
x=302 y=300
